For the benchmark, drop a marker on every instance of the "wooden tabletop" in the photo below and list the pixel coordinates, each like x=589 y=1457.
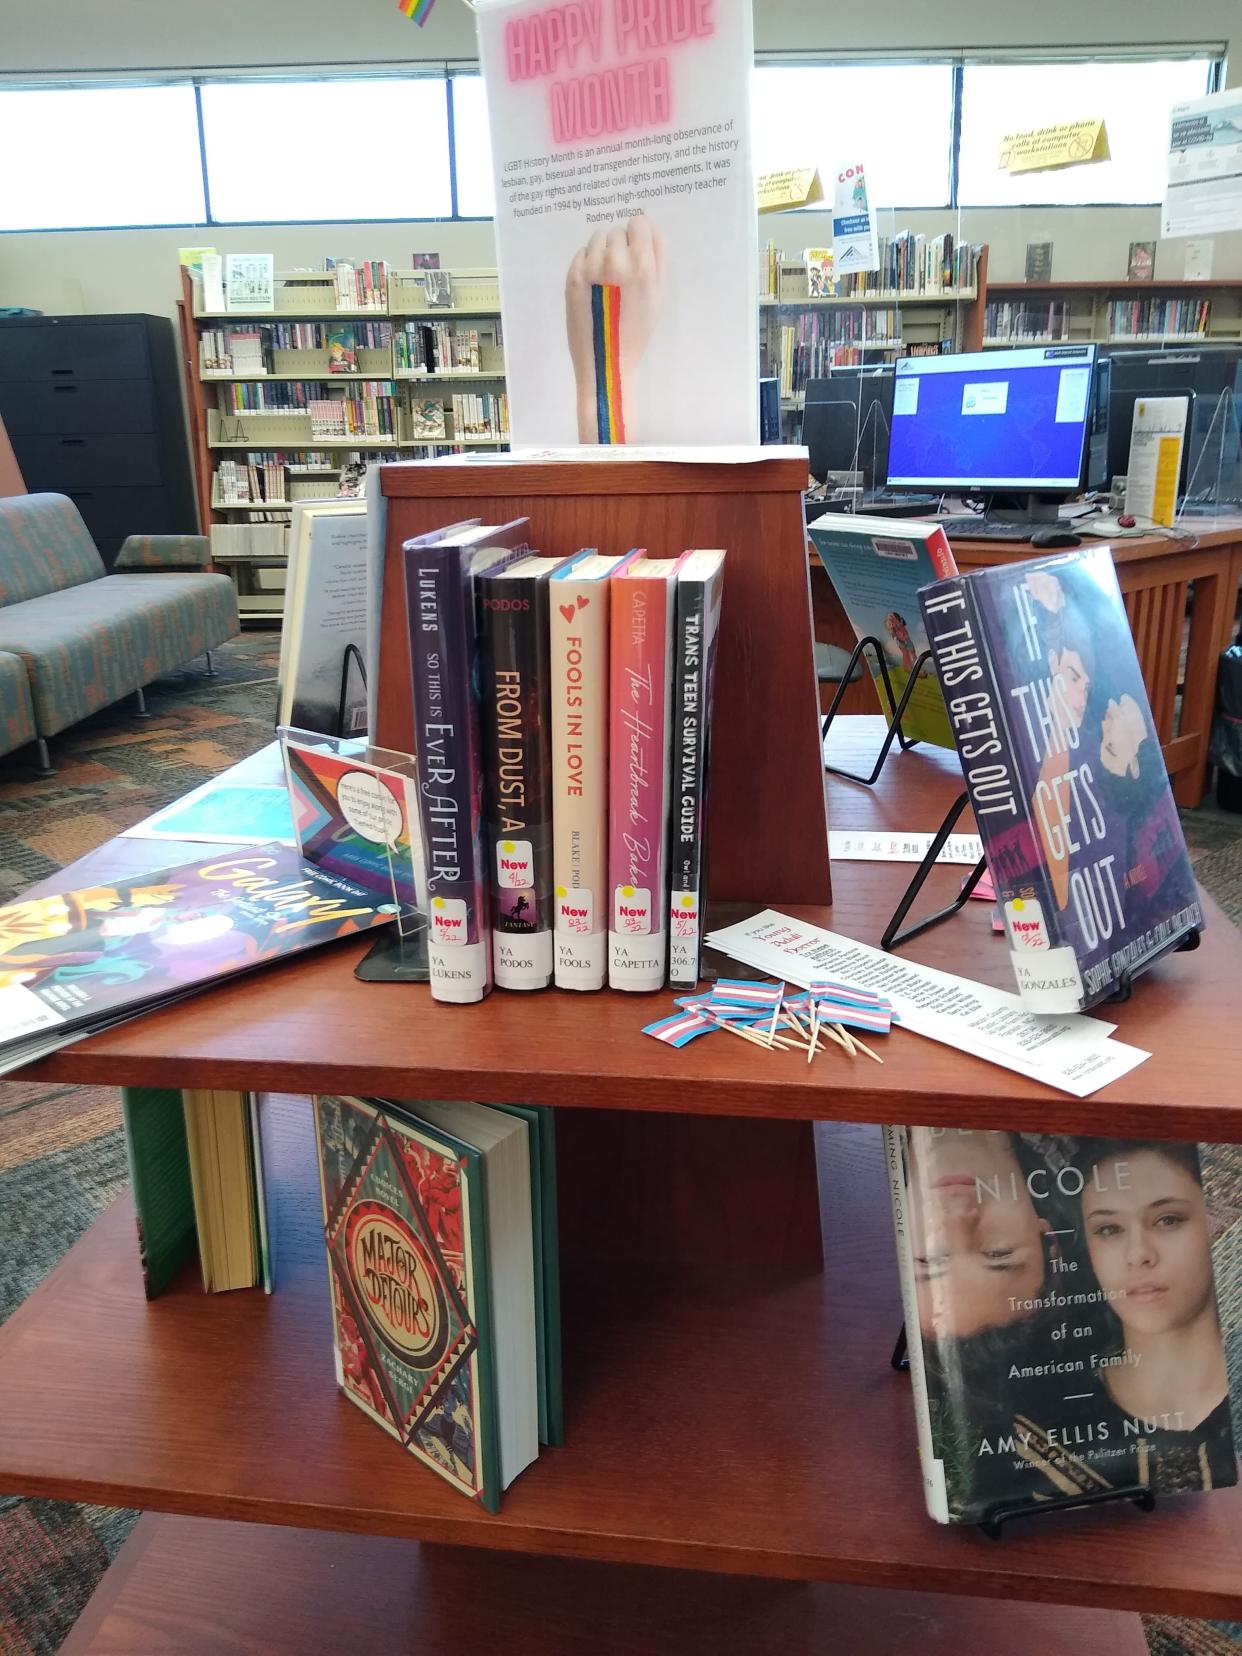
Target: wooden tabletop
x=310 y=1025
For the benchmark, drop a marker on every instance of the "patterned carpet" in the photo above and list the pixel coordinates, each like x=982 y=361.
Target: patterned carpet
x=62 y=1157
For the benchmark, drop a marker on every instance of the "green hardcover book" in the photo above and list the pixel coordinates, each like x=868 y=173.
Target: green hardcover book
x=159 y=1170
x=541 y=1121
x=428 y=1226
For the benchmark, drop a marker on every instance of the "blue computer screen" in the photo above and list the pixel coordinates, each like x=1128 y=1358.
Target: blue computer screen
x=992 y=419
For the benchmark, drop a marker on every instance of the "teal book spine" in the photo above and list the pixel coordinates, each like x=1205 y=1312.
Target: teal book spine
x=159 y=1171
x=541 y=1122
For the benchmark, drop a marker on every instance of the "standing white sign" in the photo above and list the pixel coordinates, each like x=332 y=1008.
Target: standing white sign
x=1203 y=188
x=625 y=218
x=854 y=244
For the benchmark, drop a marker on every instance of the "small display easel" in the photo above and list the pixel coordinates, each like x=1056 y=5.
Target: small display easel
x=893 y=934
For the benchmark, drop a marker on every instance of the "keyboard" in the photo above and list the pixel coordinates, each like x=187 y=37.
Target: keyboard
x=971 y=526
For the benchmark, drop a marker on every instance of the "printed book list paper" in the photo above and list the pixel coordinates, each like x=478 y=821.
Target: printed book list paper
x=1073 y=1053
x=626 y=232
x=869 y=846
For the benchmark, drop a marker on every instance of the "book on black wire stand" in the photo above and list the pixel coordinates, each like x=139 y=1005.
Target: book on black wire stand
x=1060 y=1300
x=1065 y=773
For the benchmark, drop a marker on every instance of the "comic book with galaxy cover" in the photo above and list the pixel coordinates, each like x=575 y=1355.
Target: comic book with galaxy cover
x=1067 y=779
x=76 y=961
x=411 y=1319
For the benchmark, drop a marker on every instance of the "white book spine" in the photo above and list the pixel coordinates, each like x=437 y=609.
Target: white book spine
x=578 y=613
x=934 y=1491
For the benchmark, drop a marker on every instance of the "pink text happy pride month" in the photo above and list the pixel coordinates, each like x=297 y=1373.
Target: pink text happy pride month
x=554 y=41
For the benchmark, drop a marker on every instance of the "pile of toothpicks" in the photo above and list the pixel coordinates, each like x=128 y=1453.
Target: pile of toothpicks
x=764 y=1015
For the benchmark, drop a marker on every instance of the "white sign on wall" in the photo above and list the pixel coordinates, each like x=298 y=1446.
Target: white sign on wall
x=1203 y=186
x=625 y=218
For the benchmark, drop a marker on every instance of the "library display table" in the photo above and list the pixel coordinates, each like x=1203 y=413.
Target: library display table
x=730 y=1409
x=1193 y=571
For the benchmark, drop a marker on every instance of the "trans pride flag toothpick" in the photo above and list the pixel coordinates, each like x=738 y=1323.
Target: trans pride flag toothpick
x=418 y=10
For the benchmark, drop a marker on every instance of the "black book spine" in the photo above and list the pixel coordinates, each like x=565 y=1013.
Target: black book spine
x=518 y=794
x=694 y=644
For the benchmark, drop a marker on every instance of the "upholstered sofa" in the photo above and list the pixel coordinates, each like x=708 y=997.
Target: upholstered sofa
x=74 y=638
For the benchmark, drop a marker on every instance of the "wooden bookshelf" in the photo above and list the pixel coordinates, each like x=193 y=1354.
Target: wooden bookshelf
x=290 y=1591
x=802 y=1467
x=310 y=297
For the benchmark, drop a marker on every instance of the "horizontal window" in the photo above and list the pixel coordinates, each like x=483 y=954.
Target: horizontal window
x=1133 y=99
x=897 y=119
x=296 y=151
x=84 y=156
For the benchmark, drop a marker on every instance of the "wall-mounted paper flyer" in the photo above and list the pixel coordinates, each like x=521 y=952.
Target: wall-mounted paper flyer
x=1155 y=463
x=854 y=244
x=626 y=235
x=1203 y=183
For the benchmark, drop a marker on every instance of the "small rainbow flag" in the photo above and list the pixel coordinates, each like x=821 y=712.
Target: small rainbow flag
x=419 y=10
x=606 y=337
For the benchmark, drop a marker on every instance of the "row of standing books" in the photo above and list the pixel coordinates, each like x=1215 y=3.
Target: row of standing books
x=481 y=414
x=818 y=340
x=251 y=350
x=907 y=263
x=264 y=535
x=572 y=698
x=437 y=348
x=362 y=285
x=1004 y=319
x=294 y=396
x=369 y=410
x=1159 y=316
x=440 y=1229
x=241 y=483
x=910 y=263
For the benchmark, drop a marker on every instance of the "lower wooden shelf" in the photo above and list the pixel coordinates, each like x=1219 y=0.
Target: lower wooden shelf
x=715 y=1422
x=198 y=1588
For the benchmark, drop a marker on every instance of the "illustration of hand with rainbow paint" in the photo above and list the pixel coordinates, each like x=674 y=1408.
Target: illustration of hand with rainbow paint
x=612 y=302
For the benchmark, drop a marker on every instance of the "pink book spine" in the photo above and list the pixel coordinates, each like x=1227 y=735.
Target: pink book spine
x=639 y=757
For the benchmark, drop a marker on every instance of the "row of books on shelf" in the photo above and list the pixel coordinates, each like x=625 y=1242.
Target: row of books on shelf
x=251 y=350
x=818 y=340
x=443 y=1273
x=298 y=396
x=906 y=264
x=1159 y=316
x=1004 y=319
x=245 y=483
x=247 y=282
x=362 y=285
x=573 y=697
x=260 y=536
x=440 y=348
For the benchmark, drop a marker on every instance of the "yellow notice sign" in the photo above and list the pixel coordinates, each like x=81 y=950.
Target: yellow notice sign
x=1069 y=144
x=798 y=187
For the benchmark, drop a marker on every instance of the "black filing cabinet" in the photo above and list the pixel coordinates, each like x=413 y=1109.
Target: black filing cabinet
x=93 y=409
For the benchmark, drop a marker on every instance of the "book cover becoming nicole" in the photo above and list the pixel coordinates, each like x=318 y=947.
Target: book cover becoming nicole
x=1060 y=1302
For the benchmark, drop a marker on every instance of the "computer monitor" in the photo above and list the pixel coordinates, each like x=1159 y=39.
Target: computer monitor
x=1197 y=371
x=996 y=423
x=845 y=423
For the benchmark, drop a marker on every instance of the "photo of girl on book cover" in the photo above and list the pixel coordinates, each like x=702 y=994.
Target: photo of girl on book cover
x=1070 y=1336
x=1095 y=851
